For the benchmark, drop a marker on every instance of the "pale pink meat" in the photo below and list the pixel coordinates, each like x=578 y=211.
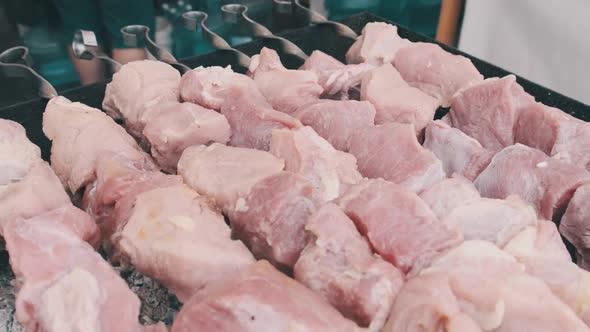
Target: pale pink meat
x=64 y=284
x=492 y=220
x=286 y=90
x=448 y=194
x=554 y=132
x=435 y=71
x=173 y=236
x=398 y=224
x=395 y=100
x=271 y=218
x=458 y=152
x=174 y=126
x=259 y=299
x=330 y=171
x=249 y=115
x=545 y=183
x=391 y=151
x=137 y=86
x=336 y=120
x=17 y=153
x=318 y=61
x=575 y=224
x=545 y=256
x=488 y=111
x=338 y=264
x=81 y=136
x=378 y=44
x=224 y=173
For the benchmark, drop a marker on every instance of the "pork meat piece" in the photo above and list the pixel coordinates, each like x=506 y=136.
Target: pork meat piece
x=174 y=237
x=575 y=224
x=338 y=264
x=64 y=284
x=395 y=100
x=271 y=218
x=286 y=90
x=398 y=224
x=435 y=71
x=448 y=194
x=17 y=153
x=544 y=255
x=107 y=200
x=391 y=151
x=515 y=293
x=137 y=86
x=336 y=120
x=330 y=171
x=545 y=183
x=378 y=44
x=81 y=136
x=175 y=126
x=250 y=116
x=488 y=111
x=554 y=132
x=493 y=220
x=224 y=173
x=319 y=61
x=259 y=299
x=458 y=152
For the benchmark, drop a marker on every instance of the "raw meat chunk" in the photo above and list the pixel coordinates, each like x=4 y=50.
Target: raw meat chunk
x=435 y=71
x=493 y=220
x=223 y=173
x=448 y=194
x=398 y=224
x=250 y=116
x=318 y=61
x=545 y=183
x=286 y=90
x=259 y=299
x=458 y=152
x=544 y=256
x=305 y=152
x=173 y=236
x=488 y=111
x=392 y=152
x=174 y=126
x=17 y=153
x=575 y=224
x=81 y=136
x=554 y=132
x=336 y=120
x=477 y=287
x=136 y=86
x=395 y=100
x=64 y=284
x=378 y=44
x=271 y=218
x=338 y=264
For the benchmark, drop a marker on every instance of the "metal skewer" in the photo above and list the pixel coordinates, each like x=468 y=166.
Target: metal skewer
x=195 y=19
x=312 y=17
x=139 y=36
x=238 y=14
x=16 y=62
x=85 y=47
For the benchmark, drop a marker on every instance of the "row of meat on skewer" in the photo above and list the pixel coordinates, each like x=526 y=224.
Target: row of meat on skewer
x=345 y=215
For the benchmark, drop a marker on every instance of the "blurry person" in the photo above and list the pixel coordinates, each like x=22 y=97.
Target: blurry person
x=105 y=18
x=547 y=42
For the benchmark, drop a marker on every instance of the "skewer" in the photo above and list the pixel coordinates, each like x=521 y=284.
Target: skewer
x=85 y=47
x=316 y=18
x=238 y=14
x=17 y=62
x=193 y=19
x=139 y=36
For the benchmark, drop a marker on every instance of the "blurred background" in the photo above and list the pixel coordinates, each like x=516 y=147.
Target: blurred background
x=39 y=25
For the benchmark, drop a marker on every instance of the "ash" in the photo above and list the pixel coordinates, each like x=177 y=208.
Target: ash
x=157 y=304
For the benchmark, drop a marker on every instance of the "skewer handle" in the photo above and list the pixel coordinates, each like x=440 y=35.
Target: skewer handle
x=85 y=47
x=17 y=62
